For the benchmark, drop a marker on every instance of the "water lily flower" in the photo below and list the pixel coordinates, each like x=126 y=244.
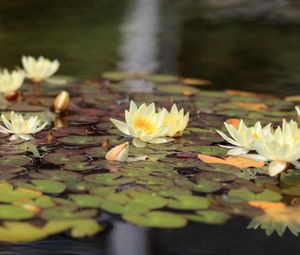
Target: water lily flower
x=176 y=121
x=39 y=69
x=10 y=82
x=242 y=137
x=61 y=102
x=144 y=125
x=280 y=146
x=118 y=153
x=21 y=128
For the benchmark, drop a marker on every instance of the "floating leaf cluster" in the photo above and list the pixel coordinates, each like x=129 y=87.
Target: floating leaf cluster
x=60 y=181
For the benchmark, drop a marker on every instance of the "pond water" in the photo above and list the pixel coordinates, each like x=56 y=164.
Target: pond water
x=254 y=49
x=178 y=37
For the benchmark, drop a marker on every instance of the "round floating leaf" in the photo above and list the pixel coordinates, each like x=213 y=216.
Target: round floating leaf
x=14 y=161
x=130 y=207
x=79 y=166
x=156 y=220
x=79 y=227
x=20 y=232
x=96 y=152
x=8 y=194
x=150 y=200
x=118 y=76
x=62 y=158
x=82 y=140
x=209 y=217
x=66 y=212
x=207 y=186
x=266 y=195
x=45 y=186
x=109 y=179
x=189 y=203
x=11 y=212
x=161 y=78
x=87 y=201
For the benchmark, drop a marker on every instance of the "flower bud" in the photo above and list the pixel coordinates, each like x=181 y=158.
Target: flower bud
x=118 y=153
x=61 y=102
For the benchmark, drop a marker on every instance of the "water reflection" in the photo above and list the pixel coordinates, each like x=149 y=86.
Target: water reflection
x=277 y=218
x=139 y=48
x=128 y=239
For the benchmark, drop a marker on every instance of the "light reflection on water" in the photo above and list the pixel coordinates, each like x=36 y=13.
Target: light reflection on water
x=196 y=239
x=184 y=37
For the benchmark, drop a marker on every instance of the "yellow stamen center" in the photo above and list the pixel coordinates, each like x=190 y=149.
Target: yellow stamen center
x=145 y=125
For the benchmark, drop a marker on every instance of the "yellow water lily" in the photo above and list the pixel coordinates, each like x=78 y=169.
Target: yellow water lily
x=10 y=82
x=21 y=128
x=280 y=146
x=242 y=137
x=39 y=69
x=176 y=121
x=144 y=124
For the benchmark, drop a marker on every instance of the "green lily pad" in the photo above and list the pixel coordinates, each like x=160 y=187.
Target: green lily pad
x=81 y=140
x=156 y=220
x=189 y=203
x=45 y=186
x=266 y=195
x=9 y=195
x=11 y=212
x=14 y=161
x=61 y=158
x=209 y=217
x=109 y=179
x=79 y=166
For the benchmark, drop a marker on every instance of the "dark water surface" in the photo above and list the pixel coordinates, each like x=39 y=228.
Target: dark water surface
x=241 y=51
x=92 y=36
x=195 y=239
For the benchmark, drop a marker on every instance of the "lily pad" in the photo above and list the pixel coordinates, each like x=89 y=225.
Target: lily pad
x=82 y=140
x=156 y=220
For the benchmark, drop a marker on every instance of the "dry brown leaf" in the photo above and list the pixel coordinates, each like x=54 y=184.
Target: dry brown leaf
x=252 y=106
x=233 y=92
x=233 y=122
x=195 y=82
x=236 y=161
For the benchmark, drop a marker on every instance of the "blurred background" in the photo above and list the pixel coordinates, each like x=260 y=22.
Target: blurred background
x=237 y=44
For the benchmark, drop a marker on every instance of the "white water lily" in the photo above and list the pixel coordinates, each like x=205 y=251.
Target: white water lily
x=39 y=69
x=21 y=128
x=144 y=125
x=10 y=82
x=280 y=146
x=176 y=121
x=242 y=137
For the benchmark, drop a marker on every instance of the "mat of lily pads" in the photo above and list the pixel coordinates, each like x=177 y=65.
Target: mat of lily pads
x=60 y=182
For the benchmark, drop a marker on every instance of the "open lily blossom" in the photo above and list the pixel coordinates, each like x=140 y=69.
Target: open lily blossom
x=144 y=125
x=10 y=82
x=280 y=146
x=18 y=127
x=242 y=137
x=39 y=69
x=176 y=121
